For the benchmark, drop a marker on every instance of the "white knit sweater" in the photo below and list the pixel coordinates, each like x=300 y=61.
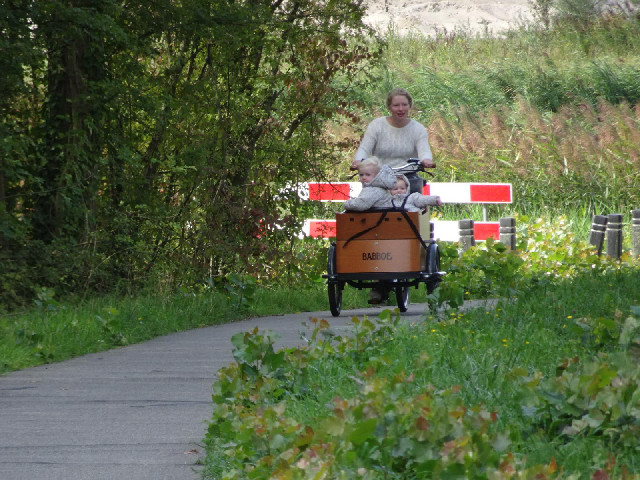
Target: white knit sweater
x=393 y=146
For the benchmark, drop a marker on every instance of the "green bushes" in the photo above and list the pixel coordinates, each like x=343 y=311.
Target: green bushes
x=463 y=396
x=156 y=157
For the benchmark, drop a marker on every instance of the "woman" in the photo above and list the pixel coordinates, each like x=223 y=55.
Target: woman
x=396 y=138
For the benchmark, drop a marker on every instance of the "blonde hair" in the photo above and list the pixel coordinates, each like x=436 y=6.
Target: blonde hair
x=399 y=91
x=370 y=162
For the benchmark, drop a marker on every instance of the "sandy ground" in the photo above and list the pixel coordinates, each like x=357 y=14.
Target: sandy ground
x=430 y=17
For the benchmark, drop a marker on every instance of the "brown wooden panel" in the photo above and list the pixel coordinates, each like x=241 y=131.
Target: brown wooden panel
x=393 y=226
x=380 y=256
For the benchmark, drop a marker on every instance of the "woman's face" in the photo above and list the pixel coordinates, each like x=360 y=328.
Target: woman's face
x=399 y=107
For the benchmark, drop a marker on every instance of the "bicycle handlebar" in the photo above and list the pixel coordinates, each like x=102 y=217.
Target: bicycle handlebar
x=413 y=165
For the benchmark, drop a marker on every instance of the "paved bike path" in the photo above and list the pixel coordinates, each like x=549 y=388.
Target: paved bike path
x=134 y=413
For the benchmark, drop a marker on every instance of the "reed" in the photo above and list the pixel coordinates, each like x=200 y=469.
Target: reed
x=554 y=111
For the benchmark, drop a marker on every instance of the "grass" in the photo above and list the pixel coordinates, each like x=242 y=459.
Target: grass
x=472 y=355
x=54 y=331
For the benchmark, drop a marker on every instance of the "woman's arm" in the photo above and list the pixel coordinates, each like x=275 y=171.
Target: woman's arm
x=423 y=148
x=367 y=144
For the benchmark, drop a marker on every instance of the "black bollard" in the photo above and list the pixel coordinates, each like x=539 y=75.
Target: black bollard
x=614 y=235
x=467 y=239
x=635 y=233
x=598 y=229
x=508 y=232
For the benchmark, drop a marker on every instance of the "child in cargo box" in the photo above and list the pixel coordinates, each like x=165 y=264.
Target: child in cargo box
x=377 y=181
x=414 y=202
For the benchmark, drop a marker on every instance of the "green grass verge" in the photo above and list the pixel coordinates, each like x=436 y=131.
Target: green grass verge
x=350 y=409
x=55 y=331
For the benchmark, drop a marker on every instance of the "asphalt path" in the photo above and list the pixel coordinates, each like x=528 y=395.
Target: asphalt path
x=134 y=413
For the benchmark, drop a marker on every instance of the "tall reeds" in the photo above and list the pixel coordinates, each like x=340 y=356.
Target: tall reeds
x=556 y=112
x=580 y=155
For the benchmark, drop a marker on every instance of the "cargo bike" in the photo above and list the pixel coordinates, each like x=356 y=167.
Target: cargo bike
x=391 y=250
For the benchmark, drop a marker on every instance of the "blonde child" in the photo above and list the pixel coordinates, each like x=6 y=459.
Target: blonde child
x=377 y=180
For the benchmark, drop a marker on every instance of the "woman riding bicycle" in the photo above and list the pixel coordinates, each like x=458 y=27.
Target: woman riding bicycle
x=396 y=137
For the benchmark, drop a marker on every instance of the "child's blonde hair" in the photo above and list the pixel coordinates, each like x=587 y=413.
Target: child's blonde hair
x=370 y=162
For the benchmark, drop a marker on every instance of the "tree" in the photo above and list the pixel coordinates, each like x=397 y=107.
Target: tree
x=161 y=132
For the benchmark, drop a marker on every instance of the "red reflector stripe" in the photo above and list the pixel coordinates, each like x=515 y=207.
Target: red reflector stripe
x=328 y=191
x=482 y=231
x=426 y=190
x=491 y=193
x=323 y=229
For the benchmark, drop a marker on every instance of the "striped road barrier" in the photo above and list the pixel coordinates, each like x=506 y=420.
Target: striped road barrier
x=453 y=193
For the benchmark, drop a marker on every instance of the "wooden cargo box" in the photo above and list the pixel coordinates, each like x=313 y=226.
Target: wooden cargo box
x=393 y=225
x=386 y=246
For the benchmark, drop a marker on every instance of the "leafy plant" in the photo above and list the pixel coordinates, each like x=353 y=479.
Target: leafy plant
x=385 y=431
x=112 y=327
x=599 y=395
x=240 y=290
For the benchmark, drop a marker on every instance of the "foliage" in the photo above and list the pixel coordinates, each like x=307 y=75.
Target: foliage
x=387 y=414
x=595 y=396
x=141 y=140
x=547 y=252
x=484 y=271
x=385 y=431
x=470 y=395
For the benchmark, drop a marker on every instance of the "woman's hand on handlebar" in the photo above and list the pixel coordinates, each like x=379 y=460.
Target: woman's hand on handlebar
x=428 y=163
x=354 y=165
x=424 y=163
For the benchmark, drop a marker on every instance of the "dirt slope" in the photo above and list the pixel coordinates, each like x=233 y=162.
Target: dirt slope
x=431 y=16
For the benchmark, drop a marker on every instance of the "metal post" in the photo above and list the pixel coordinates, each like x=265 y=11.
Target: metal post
x=432 y=235
x=508 y=232
x=598 y=229
x=467 y=239
x=614 y=235
x=635 y=233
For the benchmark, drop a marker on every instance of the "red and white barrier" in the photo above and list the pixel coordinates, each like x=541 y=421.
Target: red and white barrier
x=448 y=192
x=445 y=230
x=329 y=192
x=448 y=231
x=319 y=228
x=470 y=192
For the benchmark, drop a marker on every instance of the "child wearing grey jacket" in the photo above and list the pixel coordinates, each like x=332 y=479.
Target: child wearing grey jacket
x=382 y=188
x=414 y=202
x=377 y=181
